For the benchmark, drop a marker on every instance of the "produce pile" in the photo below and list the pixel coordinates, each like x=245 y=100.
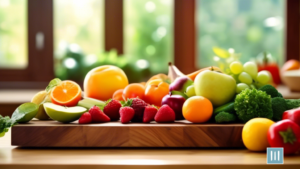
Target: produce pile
x=241 y=95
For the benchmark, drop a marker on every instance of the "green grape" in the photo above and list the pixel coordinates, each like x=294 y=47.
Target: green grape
x=245 y=78
x=236 y=67
x=263 y=77
x=240 y=87
x=190 y=91
x=251 y=69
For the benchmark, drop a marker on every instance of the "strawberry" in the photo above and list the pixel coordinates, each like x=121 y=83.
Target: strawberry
x=85 y=118
x=98 y=115
x=112 y=108
x=126 y=114
x=165 y=114
x=149 y=114
x=138 y=106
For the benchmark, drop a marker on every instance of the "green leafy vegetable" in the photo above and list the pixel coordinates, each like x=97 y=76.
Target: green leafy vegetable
x=253 y=103
x=23 y=113
x=52 y=84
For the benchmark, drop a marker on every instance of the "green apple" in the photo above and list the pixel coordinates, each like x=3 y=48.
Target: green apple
x=219 y=88
x=63 y=114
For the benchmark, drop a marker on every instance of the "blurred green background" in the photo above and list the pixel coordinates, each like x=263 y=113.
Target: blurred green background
x=246 y=27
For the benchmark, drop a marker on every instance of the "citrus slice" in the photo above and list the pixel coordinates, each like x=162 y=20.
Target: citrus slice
x=68 y=93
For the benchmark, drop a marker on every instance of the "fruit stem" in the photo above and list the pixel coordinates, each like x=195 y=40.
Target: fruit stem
x=288 y=136
x=212 y=68
x=170 y=63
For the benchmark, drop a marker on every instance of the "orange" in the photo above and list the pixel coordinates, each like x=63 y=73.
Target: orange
x=134 y=90
x=101 y=82
x=197 y=109
x=118 y=95
x=155 y=91
x=292 y=64
x=68 y=93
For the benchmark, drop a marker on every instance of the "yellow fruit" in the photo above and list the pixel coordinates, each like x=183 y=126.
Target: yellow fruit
x=39 y=98
x=101 y=82
x=255 y=134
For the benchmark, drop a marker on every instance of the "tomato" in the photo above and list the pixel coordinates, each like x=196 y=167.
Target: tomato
x=285 y=134
x=155 y=91
x=134 y=90
x=293 y=114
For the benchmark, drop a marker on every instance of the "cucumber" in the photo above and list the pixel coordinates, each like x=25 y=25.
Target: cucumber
x=228 y=107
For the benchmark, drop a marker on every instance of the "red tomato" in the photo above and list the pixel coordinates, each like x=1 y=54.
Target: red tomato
x=286 y=134
x=273 y=69
x=293 y=114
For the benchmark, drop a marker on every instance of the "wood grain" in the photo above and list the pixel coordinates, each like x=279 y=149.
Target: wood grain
x=114 y=134
x=107 y=158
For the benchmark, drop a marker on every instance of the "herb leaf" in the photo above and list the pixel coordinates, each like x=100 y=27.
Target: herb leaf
x=52 y=84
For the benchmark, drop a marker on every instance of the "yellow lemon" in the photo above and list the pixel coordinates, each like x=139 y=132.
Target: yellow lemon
x=255 y=134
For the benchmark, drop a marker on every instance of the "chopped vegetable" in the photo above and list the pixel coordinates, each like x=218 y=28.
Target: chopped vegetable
x=225 y=117
x=253 y=103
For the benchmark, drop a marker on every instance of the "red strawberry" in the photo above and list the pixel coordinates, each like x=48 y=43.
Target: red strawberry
x=85 y=118
x=165 y=114
x=126 y=114
x=98 y=115
x=138 y=106
x=112 y=108
x=149 y=114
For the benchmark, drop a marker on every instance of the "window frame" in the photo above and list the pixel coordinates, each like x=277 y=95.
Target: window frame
x=40 y=19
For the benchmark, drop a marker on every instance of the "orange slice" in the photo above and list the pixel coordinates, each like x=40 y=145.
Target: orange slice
x=68 y=93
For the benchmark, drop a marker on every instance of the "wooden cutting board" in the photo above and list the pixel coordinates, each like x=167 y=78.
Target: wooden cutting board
x=114 y=134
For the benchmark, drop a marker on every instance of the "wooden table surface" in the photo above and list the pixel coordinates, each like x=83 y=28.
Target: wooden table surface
x=14 y=157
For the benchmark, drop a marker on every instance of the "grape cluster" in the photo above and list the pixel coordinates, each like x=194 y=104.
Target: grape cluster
x=247 y=76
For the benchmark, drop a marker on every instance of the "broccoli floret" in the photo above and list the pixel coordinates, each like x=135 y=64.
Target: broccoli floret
x=253 y=103
x=270 y=90
x=292 y=103
x=279 y=95
x=278 y=106
x=225 y=117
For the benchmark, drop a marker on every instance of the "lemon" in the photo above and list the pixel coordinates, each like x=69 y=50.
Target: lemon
x=255 y=134
x=39 y=98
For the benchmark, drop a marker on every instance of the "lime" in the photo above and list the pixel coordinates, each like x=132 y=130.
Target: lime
x=25 y=112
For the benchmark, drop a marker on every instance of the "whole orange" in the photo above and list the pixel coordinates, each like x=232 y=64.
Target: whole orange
x=292 y=64
x=197 y=109
x=134 y=90
x=101 y=82
x=155 y=91
x=118 y=95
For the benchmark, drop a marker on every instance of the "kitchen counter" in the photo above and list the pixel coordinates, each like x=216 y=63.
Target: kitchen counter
x=13 y=157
